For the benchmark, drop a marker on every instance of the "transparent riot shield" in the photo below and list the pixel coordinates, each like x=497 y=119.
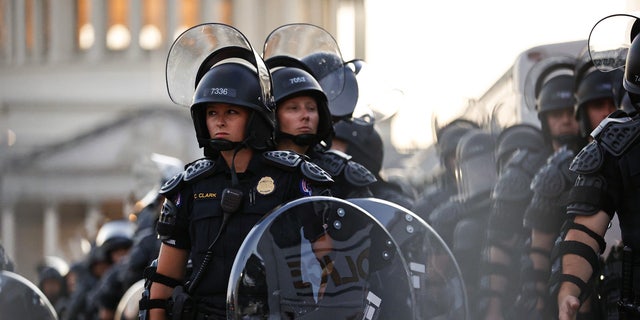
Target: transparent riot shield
x=128 y=307
x=21 y=299
x=436 y=278
x=320 y=258
x=610 y=39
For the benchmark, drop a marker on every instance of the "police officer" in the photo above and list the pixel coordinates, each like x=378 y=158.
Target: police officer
x=145 y=244
x=214 y=203
x=605 y=186
x=444 y=187
x=298 y=75
x=593 y=93
x=520 y=151
x=462 y=220
x=554 y=100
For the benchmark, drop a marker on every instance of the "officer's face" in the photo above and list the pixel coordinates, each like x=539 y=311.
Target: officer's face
x=226 y=121
x=599 y=109
x=562 y=122
x=298 y=115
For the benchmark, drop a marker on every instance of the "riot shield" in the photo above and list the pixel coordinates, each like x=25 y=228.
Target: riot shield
x=21 y=299
x=435 y=275
x=128 y=307
x=319 y=258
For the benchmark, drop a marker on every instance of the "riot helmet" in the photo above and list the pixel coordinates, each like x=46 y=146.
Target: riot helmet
x=215 y=63
x=235 y=84
x=318 y=50
x=475 y=170
x=289 y=82
x=114 y=236
x=517 y=137
x=591 y=84
x=448 y=136
x=549 y=87
x=631 y=80
x=365 y=144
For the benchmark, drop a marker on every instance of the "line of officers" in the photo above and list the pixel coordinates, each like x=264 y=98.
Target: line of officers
x=524 y=213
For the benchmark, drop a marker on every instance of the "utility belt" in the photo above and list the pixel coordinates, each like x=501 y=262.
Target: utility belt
x=629 y=303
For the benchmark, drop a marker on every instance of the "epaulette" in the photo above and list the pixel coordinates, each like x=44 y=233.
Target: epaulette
x=194 y=171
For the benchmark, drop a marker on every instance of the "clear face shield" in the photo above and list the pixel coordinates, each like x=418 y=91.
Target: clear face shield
x=198 y=49
x=610 y=39
x=352 y=87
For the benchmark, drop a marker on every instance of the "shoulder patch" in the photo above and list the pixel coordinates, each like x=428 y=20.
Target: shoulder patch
x=358 y=175
x=198 y=169
x=588 y=160
x=332 y=161
x=314 y=173
x=618 y=134
x=283 y=159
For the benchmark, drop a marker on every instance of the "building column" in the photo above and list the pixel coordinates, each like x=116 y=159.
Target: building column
x=19 y=40
x=39 y=39
x=51 y=229
x=173 y=21
x=99 y=20
x=8 y=230
x=63 y=31
x=135 y=27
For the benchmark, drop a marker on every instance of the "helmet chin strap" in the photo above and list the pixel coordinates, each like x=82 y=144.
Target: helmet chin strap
x=303 y=140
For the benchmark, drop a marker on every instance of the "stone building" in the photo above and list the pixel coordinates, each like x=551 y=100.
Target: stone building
x=83 y=105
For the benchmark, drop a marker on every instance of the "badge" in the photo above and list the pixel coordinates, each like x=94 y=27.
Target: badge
x=265 y=186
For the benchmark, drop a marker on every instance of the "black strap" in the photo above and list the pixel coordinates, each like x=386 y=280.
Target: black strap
x=584 y=289
x=148 y=304
x=580 y=249
x=598 y=238
x=153 y=276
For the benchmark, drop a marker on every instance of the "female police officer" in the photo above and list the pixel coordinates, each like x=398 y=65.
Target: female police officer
x=213 y=204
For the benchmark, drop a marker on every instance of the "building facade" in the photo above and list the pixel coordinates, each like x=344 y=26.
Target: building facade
x=83 y=105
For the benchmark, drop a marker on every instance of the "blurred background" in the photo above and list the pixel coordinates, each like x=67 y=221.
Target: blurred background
x=83 y=101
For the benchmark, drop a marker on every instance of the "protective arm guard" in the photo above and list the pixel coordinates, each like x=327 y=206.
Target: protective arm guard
x=150 y=275
x=571 y=247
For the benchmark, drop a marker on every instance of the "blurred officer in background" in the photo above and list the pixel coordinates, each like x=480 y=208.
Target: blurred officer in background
x=445 y=185
x=520 y=151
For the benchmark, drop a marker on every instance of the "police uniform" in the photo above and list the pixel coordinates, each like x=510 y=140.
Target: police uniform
x=609 y=180
x=192 y=214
